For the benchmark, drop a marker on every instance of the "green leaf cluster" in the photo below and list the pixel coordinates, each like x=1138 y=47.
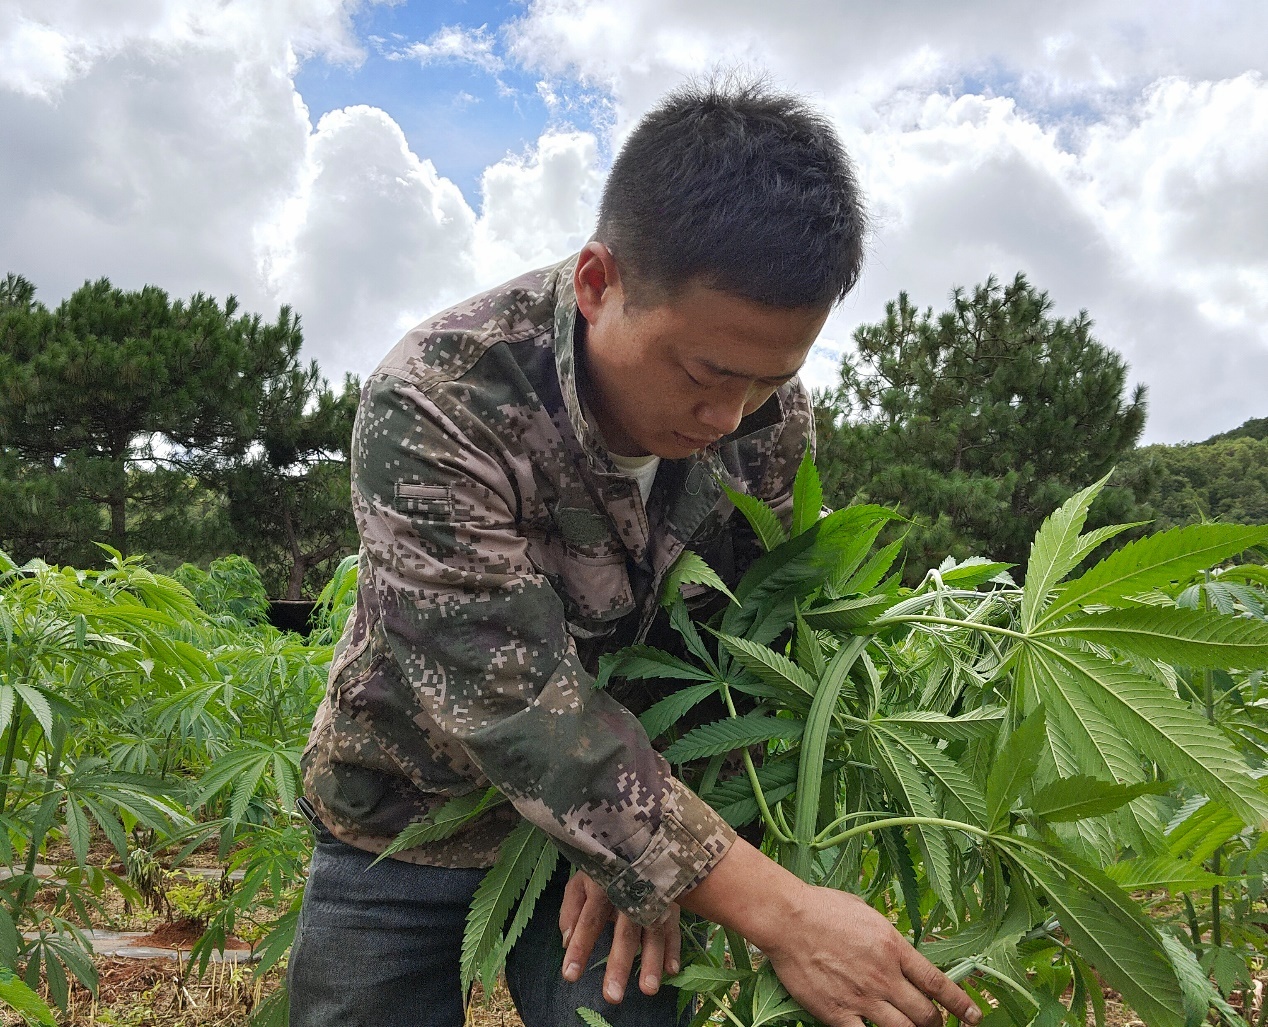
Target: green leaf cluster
x=1011 y=773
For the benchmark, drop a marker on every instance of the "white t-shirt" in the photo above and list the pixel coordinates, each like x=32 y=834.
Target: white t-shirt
x=641 y=468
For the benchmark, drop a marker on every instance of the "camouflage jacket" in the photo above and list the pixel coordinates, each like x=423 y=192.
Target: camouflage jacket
x=501 y=554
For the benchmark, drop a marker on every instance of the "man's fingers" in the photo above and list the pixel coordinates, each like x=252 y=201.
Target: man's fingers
x=885 y=1015
x=938 y=986
x=673 y=941
x=593 y=917
x=909 y=1001
x=652 y=965
x=625 y=941
x=570 y=908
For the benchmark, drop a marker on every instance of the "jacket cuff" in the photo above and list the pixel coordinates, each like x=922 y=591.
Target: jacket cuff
x=692 y=839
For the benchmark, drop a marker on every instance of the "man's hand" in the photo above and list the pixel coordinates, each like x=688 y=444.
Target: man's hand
x=836 y=955
x=586 y=911
x=846 y=961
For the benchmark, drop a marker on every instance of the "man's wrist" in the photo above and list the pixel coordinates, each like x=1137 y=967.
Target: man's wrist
x=752 y=894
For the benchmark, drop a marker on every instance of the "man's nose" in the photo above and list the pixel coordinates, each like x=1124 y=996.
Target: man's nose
x=722 y=415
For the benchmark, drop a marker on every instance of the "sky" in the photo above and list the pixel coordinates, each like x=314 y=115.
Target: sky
x=370 y=163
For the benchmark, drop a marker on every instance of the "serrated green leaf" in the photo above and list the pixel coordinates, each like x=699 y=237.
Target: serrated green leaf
x=10 y=940
x=537 y=882
x=77 y=831
x=965 y=799
x=771 y=1001
x=768 y=665
x=1099 y=536
x=905 y=781
x=592 y=1018
x=639 y=662
x=706 y=978
x=664 y=714
x=734 y=801
x=690 y=569
x=1014 y=767
x=1074 y=798
x=851 y=552
x=1153 y=561
x=764 y=521
x=870 y=574
x=807 y=649
x=497 y=893
x=1199 y=993
x=980 y=723
x=1161 y=873
x=22 y=1000
x=976 y=570
x=970 y=941
x=1054 y=552
x=1195 y=638
x=904 y=868
x=1204 y=830
x=1081 y=737
x=807 y=495
x=245 y=786
x=724 y=736
x=37 y=702
x=849 y=615
x=1107 y=928
x=445 y=821
x=1161 y=727
x=680 y=620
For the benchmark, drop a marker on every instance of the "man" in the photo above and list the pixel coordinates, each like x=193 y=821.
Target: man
x=526 y=468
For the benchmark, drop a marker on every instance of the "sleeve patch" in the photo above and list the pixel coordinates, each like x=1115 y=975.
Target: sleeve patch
x=432 y=500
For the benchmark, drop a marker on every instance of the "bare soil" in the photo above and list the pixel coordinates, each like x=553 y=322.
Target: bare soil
x=183 y=934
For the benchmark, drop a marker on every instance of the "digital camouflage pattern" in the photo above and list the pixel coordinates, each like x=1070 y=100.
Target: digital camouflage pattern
x=501 y=554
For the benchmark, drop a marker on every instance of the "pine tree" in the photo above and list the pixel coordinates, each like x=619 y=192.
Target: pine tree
x=100 y=394
x=289 y=500
x=978 y=422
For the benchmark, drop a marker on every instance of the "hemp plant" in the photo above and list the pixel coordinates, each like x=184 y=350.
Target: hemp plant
x=1007 y=771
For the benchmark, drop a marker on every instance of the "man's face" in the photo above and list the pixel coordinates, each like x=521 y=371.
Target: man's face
x=672 y=377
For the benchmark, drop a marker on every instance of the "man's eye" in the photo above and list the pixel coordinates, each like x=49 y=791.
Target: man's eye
x=694 y=380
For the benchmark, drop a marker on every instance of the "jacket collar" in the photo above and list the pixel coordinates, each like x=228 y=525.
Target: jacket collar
x=568 y=322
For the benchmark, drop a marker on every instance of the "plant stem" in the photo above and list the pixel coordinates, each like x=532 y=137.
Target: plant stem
x=758 y=794
x=850 y=816
x=876 y=825
x=1216 y=933
x=814 y=744
x=10 y=750
x=951 y=622
x=724 y=1009
x=1195 y=929
x=43 y=824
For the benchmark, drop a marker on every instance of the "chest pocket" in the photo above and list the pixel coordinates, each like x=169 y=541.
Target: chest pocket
x=595 y=588
x=592 y=582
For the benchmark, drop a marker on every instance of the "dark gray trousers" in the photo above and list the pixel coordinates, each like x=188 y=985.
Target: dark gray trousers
x=379 y=947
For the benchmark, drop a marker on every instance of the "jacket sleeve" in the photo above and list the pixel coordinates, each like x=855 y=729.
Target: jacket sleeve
x=481 y=642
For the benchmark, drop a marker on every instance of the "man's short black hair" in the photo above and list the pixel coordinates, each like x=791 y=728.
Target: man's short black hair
x=738 y=187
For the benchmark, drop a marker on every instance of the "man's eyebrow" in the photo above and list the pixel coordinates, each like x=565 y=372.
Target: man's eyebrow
x=775 y=379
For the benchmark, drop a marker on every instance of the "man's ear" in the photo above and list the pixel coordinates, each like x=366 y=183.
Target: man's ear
x=597 y=281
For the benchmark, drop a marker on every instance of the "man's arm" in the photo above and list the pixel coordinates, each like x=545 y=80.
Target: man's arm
x=483 y=668
x=836 y=955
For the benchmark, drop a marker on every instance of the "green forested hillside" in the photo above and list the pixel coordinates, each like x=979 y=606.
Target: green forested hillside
x=1224 y=478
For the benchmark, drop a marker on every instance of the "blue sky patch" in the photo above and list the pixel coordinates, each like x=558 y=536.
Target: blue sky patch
x=464 y=107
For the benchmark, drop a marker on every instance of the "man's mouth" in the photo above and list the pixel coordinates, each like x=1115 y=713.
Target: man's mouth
x=691 y=440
